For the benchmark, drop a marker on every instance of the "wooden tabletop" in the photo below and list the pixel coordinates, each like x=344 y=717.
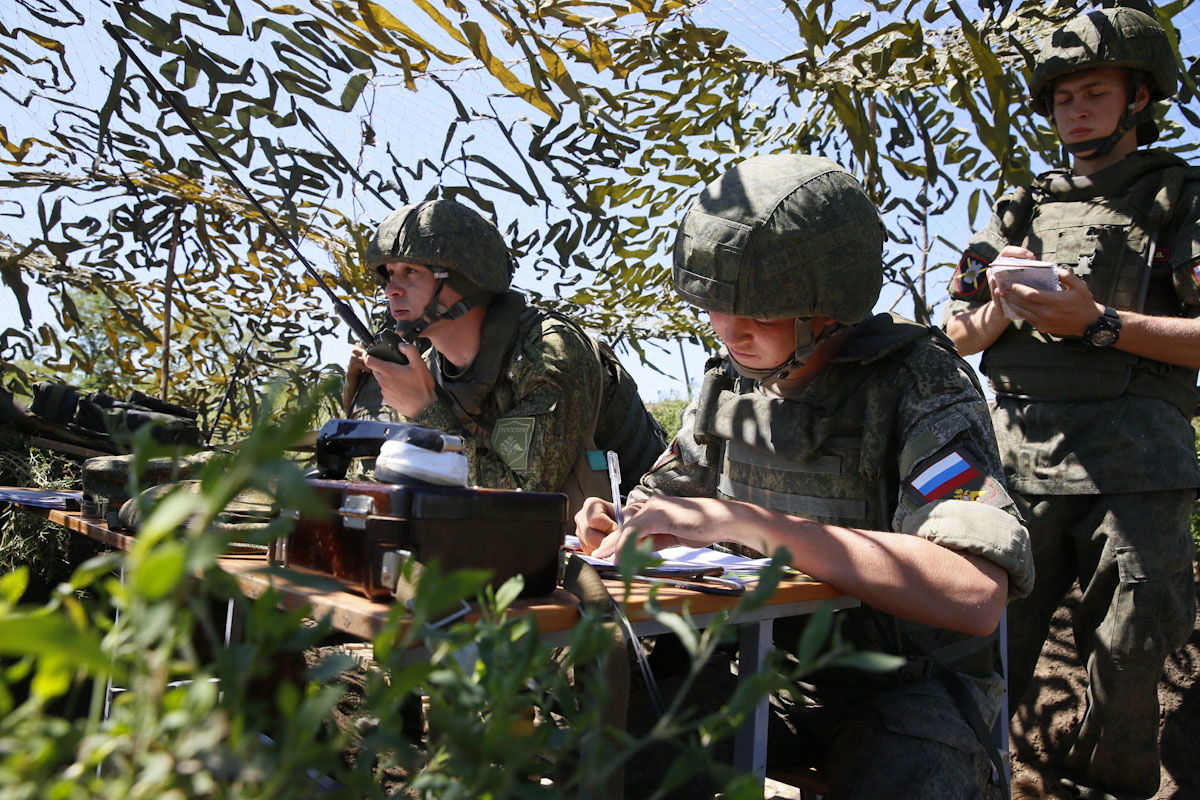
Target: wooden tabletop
x=351 y=612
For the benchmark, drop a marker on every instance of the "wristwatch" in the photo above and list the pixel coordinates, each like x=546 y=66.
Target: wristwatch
x=1105 y=331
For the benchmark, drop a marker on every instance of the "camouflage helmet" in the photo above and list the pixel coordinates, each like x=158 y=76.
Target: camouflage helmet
x=1111 y=37
x=782 y=236
x=447 y=235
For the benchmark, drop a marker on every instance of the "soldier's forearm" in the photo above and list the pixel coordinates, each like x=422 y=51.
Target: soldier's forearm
x=975 y=330
x=1172 y=340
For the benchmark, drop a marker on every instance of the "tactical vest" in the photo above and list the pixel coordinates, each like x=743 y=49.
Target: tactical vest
x=830 y=456
x=1108 y=232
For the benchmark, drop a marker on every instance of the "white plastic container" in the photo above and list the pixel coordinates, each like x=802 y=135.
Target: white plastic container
x=400 y=460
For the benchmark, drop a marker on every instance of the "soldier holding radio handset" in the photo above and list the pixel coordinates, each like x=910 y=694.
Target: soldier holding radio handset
x=535 y=399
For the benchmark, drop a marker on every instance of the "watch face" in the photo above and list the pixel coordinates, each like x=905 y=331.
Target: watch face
x=1105 y=331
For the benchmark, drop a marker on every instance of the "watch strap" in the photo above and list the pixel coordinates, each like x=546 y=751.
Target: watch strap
x=1105 y=331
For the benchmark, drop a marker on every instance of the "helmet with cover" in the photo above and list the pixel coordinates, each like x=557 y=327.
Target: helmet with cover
x=464 y=251
x=1113 y=37
x=782 y=236
x=447 y=235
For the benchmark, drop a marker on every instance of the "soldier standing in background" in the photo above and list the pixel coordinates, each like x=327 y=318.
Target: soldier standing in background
x=534 y=398
x=1096 y=383
x=862 y=445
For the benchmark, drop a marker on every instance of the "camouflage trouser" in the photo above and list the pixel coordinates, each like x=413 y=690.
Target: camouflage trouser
x=911 y=743
x=1132 y=554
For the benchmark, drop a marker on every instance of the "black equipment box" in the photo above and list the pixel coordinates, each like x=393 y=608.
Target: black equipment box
x=507 y=532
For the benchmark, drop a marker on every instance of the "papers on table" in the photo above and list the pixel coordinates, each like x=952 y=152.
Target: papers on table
x=1040 y=275
x=41 y=498
x=732 y=566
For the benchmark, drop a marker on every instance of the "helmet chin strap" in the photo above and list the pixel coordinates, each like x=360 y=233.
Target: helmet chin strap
x=806 y=345
x=434 y=311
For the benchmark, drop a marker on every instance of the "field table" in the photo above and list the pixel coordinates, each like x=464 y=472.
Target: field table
x=347 y=611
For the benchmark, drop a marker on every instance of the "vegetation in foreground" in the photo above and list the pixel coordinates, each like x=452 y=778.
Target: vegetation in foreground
x=200 y=718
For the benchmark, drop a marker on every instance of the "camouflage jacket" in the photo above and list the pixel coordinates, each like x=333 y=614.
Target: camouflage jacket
x=891 y=435
x=525 y=405
x=1071 y=419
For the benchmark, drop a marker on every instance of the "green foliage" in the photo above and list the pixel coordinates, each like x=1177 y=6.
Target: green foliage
x=668 y=413
x=45 y=549
x=198 y=718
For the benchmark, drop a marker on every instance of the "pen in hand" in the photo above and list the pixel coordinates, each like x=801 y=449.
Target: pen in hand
x=614 y=482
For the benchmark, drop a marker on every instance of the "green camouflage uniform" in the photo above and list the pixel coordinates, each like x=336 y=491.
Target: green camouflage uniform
x=540 y=394
x=857 y=448
x=524 y=406
x=1098 y=448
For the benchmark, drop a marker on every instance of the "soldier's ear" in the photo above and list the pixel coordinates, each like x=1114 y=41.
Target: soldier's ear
x=1141 y=98
x=820 y=323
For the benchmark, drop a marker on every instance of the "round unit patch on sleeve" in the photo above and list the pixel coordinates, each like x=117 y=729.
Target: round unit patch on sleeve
x=511 y=439
x=969 y=277
x=951 y=475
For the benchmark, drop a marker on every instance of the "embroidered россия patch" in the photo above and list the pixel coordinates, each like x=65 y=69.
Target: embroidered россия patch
x=511 y=439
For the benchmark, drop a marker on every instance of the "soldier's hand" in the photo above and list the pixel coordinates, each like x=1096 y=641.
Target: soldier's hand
x=408 y=388
x=354 y=371
x=670 y=521
x=1063 y=313
x=595 y=520
x=1009 y=251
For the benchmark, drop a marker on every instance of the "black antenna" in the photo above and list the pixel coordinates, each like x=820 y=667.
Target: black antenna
x=237 y=368
x=343 y=310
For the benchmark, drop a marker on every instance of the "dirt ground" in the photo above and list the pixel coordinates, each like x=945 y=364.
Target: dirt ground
x=1060 y=681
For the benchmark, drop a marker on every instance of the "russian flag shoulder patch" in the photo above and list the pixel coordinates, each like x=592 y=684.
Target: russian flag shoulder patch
x=951 y=474
x=665 y=457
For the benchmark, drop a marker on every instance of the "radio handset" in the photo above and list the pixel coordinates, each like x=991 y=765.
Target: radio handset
x=385 y=347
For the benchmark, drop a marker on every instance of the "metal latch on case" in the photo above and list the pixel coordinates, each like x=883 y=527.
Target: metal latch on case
x=279 y=553
x=355 y=510
x=391 y=567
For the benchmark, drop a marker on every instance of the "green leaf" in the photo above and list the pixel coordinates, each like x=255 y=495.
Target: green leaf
x=159 y=571
x=813 y=641
x=12 y=587
x=53 y=677
x=52 y=636
x=870 y=662
x=353 y=90
x=686 y=631
x=509 y=591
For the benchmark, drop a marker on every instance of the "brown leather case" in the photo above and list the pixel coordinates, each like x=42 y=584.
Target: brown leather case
x=507 y=532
